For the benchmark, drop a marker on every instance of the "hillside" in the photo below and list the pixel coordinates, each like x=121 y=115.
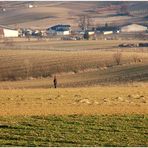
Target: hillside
x=80 y=68
x=44 y=14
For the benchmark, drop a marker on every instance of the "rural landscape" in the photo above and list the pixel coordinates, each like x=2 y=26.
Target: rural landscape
x=74 y=74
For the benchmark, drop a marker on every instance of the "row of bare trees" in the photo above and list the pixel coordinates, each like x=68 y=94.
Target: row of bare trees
x=85 y=22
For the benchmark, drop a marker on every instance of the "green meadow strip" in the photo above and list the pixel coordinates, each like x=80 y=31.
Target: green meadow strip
x=74 y=130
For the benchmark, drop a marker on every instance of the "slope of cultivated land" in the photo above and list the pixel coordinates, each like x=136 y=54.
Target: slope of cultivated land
x=22 y=64
x=89 y=100
x=117 y=75
x=27 y=16
x=43 y=15
x=74 y=131
x=38 y=63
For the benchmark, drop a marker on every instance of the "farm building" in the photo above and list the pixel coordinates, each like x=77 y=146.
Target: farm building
x=8 y=32
x=90 y=32
x=59 y=30
x=133 y=28
x=107 y=32
x=30 y=6
x=108 y=29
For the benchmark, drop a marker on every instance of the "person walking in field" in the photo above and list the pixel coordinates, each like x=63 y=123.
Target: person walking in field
x=55 y=82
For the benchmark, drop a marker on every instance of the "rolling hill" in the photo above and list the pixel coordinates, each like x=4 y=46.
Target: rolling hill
x=46 y=13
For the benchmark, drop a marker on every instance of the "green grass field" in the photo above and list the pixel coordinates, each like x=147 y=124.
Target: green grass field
x=74 y=130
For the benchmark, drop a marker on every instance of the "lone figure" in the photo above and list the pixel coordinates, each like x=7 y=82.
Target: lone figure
x=55 y=82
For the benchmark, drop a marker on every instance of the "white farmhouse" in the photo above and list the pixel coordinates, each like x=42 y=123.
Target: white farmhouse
x=107 y=32
x=8 y=32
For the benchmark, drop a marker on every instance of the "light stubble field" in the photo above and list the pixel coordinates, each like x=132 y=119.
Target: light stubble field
x=90 y=100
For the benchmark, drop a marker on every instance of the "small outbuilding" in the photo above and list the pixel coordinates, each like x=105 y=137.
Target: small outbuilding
x=133 y=28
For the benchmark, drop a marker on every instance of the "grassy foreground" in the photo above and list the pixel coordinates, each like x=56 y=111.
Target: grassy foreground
x=74 y=130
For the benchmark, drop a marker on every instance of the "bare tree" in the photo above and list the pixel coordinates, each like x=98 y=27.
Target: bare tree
x=117 y=57
x=84 y=22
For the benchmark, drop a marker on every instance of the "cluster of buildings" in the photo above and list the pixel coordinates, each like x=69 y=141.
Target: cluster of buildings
x=66 y=30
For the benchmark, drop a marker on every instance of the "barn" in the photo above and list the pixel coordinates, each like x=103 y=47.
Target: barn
x=59 y=29
x=133 y=28
x=8 y=32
